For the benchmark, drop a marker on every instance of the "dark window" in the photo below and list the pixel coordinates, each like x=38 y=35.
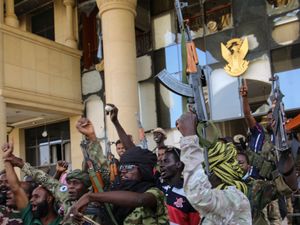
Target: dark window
x=46 y=151
x=42 y=22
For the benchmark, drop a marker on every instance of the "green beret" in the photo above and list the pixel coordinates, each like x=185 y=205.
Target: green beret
x=80 y=175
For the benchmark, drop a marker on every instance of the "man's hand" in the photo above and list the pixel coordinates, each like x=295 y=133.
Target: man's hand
x=7 y=149
x=113 y=113
x=79 y=206
x=244 y=90
x=85 y=127
x=15 y=161
x=61 y=166
x=187 y=124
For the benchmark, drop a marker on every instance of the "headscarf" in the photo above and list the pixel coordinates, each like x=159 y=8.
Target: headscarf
x=145 y=160
x=80 y=175
x=222 y=158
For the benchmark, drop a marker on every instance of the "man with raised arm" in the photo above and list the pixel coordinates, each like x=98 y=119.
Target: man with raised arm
x=37 y=210
x=217 y=198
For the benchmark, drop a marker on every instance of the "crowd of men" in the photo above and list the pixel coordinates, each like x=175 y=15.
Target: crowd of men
x=247 y=181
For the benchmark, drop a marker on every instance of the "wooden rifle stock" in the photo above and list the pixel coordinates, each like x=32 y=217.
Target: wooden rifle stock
x=192 y=58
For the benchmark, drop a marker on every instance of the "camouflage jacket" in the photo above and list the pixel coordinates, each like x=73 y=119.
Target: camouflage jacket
x=261 y=193
x=60 y=191
x=226 y=207
x=146 y=216
x=9 y=216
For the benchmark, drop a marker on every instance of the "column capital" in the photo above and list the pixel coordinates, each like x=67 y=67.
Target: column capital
x=106 y=5
x=69 y=3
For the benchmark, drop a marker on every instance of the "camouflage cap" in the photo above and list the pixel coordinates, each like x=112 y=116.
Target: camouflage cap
x=80 y=175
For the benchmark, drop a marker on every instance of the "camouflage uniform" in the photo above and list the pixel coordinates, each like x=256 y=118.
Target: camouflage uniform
x=60 y=191
x=229 y=206
x=9 y=216
x=261 y=193
x=146 y=216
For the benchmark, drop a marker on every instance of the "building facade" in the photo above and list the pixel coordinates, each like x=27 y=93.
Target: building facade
x=61 y=59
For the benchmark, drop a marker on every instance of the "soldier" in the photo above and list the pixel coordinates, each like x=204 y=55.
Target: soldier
x=261 y=192
x=136 y=200
x=78 y=181
x=262 y=155
x=226 y=203
x=40 y=208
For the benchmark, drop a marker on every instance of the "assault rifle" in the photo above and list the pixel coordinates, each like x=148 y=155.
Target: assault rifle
x=96 y=179
x=278 y=116
x=193 y=90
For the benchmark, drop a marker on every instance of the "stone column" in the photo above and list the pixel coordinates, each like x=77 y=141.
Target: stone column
x=10 y=16
x=1 y=11
x=118 y=27
x=2 y=103
x=70 y=39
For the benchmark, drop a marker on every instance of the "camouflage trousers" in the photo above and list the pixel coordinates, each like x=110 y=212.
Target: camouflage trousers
x=272 y=213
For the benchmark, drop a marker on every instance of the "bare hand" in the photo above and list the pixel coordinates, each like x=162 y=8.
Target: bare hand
x=113 y=113
x=85 y=127
x=7 y=149
x=244 y=90
x=79 y=206
x=187 y=124
x=15 y=161
x=61 y=166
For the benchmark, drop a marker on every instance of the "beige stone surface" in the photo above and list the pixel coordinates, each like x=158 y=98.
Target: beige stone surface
x=120 y=61
x=76 y=137
x=39 y=72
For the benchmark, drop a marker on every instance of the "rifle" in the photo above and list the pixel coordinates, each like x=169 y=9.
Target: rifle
x=96 y=177
x=278 y=116
x=193 y=90
x=286 y=163
x=113 y=167
x=142 y=137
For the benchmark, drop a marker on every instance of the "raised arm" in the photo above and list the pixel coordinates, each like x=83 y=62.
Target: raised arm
x=13 y=181
x=250 y=120
x=86 y=128
x=125 y=139
x=197 y=187
x=54 y=186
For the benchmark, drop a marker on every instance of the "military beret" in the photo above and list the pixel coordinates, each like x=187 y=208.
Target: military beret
x=80 y=175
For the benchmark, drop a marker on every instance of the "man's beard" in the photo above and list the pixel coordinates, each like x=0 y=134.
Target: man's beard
x=41 y=210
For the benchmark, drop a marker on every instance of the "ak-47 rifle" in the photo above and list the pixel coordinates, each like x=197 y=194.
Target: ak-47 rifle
x=193 y=90
x=142 y=137
x=113 y=167
x=278 y=116
x=96 y=177
x=286 y=163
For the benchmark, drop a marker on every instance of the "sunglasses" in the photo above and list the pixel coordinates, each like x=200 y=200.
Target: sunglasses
x=127 y=167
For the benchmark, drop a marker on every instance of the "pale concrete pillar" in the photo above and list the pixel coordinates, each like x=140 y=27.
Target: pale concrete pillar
x=10 y=16
x=70 y=39
x=1 y=11
x=120 y=61
x=76 y=137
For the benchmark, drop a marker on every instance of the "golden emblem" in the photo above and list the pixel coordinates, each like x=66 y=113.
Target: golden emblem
x=234 y=53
